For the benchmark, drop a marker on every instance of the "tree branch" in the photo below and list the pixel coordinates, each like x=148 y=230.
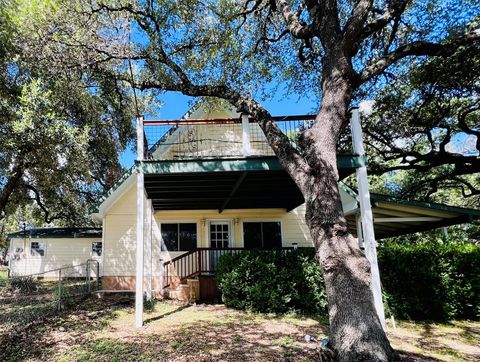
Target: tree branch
x=393 y=11
x=417 y=48
x=296 y=27
x=46 y=212
x=13 y=181
x=353 y=28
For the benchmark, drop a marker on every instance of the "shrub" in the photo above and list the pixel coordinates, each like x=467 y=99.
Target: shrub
x=422 y=281
x=272 y=281
x=435 y=280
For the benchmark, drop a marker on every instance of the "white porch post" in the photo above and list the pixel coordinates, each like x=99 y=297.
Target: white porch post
x=140 y=226
x=368 y=234
x=149 y=249
x=246 y=145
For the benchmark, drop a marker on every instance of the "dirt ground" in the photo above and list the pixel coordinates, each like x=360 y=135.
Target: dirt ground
x=102 y=330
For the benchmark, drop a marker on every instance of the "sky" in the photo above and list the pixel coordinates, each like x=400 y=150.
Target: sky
x=175 y=105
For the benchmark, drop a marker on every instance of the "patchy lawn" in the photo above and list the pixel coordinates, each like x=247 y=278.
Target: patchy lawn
x=3 y=278
x=454 y=341
x=102 y=330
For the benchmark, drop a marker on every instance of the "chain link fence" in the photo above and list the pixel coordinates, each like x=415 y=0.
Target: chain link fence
x=26 y=298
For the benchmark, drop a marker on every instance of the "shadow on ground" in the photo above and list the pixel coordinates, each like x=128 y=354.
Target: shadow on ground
x=102 y=330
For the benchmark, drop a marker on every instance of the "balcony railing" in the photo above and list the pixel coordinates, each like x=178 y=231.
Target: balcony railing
x=219 y=137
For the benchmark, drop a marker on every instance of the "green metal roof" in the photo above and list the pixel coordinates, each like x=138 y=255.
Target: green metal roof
x=237 y=183
x=117 y=184
x=52 y=233
x=426 y=205
x=211 y=167
x=270 y=163
x=417 y=215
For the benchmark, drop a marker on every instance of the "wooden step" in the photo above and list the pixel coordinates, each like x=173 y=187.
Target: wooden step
x=181 y=293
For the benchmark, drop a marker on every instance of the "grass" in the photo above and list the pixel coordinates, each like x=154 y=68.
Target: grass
x=102 y=330
x=3 y=278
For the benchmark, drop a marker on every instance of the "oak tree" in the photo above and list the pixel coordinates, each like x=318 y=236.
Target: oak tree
x=235 y=50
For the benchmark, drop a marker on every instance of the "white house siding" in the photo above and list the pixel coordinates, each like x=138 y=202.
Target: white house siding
x=120 y=235
x=59 y=253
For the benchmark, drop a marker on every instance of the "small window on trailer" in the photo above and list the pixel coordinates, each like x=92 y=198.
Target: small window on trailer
x=97 y=248
x=37 y=248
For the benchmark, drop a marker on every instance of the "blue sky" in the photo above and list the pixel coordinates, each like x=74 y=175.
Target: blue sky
x=175 y=105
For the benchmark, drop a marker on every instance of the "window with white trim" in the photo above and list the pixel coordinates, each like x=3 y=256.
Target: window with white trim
x=97 y=248
x=262 y=235
x=179 y=236
x=37 y=248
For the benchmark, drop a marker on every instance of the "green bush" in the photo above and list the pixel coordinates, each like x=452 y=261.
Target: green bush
x=434 y=280
x=272 y=281
x=424 y=281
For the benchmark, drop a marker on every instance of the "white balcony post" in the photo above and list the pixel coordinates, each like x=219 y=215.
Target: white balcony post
x=140 y=227
x=149 y=249
x=368 y=234
x=246 y=145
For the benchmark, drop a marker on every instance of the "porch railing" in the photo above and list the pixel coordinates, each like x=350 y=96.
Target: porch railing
x=194 y=263
x=218 y=137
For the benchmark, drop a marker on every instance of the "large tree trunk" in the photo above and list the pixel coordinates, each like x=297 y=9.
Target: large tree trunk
x=356 y=333
x=13 y=181
x=355 y=330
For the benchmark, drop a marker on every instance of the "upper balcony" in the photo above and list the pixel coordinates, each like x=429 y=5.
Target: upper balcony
x=208 y=138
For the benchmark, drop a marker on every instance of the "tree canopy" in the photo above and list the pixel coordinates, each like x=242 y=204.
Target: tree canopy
x=61 y=128
x=424 y=134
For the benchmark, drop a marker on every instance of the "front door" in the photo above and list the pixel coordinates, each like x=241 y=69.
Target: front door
x=219 y=234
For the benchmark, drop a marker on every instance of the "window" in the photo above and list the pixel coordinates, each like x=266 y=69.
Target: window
x=97 y=248
x=262 y=235
x=179 y=237
x=37 y=248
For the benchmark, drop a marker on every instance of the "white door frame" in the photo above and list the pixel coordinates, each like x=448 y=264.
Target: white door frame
x=220 y=221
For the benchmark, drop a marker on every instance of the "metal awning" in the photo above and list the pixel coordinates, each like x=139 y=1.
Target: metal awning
x=393 y=216
x=226 y=183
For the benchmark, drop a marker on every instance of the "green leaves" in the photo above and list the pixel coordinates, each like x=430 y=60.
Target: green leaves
x=272 y=281
x=62 y=124
x=431 y=280
x=424 y=130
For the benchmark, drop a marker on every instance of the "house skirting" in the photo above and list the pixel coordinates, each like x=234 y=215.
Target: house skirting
x=127 y=283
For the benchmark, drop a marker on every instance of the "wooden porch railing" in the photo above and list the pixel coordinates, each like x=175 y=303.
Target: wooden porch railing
x=195 y=262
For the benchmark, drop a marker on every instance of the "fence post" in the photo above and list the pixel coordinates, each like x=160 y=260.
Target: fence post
x=98 y=276
x=89 y=285
x=59 y=305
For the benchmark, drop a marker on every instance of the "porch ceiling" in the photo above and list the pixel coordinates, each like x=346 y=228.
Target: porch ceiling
x=226 y=183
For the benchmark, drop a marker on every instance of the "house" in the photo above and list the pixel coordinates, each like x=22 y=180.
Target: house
x=213 y=185
x=41 y=251
x=209 y=184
